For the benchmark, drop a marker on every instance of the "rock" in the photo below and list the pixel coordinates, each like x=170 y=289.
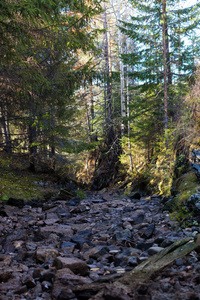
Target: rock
x=137 y=217
x=63 y=294
x=80 y=209
x=112 y=293
x=75 y=201
x=154 y=250
x=69 y=246
x=21 y=290
x=97 y=254
x=46 y=254
x=134 y=195
x=76 y=265
x=122 y=235
x=46 y=286
x=51 y=221
x=121 y=259
x=91 y=253
x=5 y=275
x=48 y=275
x=16 y=202
x=64 y=282
x=132 y=261
x=81 y=237
x=10 y=287
x=179 y=262
x=148 y=232
x=196 y=169
x=29 y=282
x=144 y=246
x=3 y=212
x=5 y=260
x=61 y=230
x=99 y=239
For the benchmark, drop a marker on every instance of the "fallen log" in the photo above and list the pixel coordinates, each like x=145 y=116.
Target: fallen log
x=143 y=272
x=158 y=261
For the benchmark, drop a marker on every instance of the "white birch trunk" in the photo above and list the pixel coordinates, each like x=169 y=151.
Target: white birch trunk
x=122 y=85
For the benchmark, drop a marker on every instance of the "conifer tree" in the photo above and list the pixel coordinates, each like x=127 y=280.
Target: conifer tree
x=40 y=66
x=159 y=30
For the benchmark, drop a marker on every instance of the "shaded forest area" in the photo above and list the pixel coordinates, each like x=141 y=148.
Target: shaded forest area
x=99 y=93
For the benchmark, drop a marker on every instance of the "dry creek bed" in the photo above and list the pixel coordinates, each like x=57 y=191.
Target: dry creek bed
x=49 y=250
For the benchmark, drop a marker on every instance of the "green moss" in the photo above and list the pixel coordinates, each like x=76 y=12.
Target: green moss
x=81 y=194
x=186 y=186
x=17 y=182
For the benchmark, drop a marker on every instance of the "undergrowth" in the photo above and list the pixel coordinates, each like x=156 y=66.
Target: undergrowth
x=17 y=182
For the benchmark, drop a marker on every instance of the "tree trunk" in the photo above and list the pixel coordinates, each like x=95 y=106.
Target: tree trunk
x=32 y=147
x=164 y=31
x=129 y=125
x=128 y=109
x=108 y=91
x=5 y=129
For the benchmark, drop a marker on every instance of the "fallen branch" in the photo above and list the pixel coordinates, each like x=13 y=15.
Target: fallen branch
x=145 y=270
x=157 y=262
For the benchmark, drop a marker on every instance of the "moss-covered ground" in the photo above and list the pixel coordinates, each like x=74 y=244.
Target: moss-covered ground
x=17 y=182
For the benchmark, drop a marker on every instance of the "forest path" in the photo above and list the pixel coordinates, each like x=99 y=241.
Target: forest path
x=50 y=249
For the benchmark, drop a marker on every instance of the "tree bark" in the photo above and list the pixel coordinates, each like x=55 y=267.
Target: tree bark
x=5 y=130
x=108 y=88
x=165 y=45
x=32 y=147
x=122 y=85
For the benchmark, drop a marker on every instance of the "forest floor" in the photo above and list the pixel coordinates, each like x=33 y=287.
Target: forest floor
x=17 y=181
x=57 y=249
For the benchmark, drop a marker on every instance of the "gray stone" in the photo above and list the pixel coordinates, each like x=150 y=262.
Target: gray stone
x=29 y=282
x=64 y=282
x=132 y=261
x=154 y=250
x=46 y=286
x=63 y=230
x=179 y=262
x=137 y=217
x=148 y=232
x=45 y=254
x=76 y=265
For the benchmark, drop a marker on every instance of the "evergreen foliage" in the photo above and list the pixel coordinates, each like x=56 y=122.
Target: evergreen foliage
x=40 y=67
x=145 y=30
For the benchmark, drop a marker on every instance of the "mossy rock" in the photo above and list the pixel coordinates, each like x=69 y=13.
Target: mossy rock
x=185 y=186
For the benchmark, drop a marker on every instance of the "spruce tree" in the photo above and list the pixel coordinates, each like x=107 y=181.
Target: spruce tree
x=41 y=68
x=162 y=61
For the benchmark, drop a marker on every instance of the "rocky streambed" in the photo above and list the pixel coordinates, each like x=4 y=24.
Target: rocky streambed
x=50 y=250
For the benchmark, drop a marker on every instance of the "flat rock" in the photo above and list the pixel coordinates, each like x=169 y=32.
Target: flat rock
x=77 y=266
x=154 y=250
x=51 y=221
x=63 y=230
x=46 y=254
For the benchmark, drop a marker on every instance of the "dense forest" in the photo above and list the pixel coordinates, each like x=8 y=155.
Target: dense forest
x=107 y=92
x=99 y=149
